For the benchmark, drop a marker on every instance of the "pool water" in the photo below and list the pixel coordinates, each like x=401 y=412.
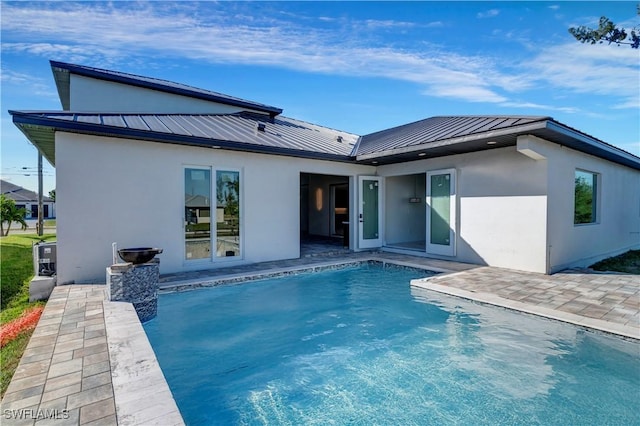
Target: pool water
x=360 y=346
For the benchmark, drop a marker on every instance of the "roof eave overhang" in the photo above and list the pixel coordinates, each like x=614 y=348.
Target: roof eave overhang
x=563 y=135
x=458 y=145
x=62 y=71
x=48 y=126
x=62 y=77
x=547 y=129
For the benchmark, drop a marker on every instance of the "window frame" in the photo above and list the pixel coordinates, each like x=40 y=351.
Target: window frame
x=213 y=229
x=595 y=190
x=214 y=189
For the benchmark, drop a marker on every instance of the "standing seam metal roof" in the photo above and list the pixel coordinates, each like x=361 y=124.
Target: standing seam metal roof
x=437 y=129
x=238 y=130
x=434 y=137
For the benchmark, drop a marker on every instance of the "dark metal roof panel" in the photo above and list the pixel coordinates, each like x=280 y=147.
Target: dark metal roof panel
x=92 y=119
x=239 y=131
x=173 y=126
x=438 y=128
x=111 y=120
x=154 y=123
x=429 y=138
x=136 y=122
x=61 y=72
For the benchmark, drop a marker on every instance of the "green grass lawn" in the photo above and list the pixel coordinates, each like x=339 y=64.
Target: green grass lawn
x=628 y=263
x=16 y=270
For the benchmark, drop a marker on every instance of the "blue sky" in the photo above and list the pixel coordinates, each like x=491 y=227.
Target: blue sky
x=355 y=66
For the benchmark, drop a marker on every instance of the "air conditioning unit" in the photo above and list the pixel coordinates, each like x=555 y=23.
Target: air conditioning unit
x=44 y=259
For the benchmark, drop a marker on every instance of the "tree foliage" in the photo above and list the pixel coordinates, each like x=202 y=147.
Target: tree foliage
x=10 y=213
x=584 y=208
x=608 y=32
x=52 y=194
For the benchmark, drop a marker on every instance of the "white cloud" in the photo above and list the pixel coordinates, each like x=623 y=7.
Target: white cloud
x=488 y=14
x=26 y=82
x=591 y=69
x=468 y=93
x=532 y=105
x=106 y=35
x=373 y=24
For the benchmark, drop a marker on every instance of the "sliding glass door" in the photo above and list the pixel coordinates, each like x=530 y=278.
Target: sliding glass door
x=211 y=228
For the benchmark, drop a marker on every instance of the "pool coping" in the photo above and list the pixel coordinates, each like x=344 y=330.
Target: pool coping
x=241 y=278
x=141 y=392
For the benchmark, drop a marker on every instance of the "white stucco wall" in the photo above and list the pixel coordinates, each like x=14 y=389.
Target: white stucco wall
x=618 y=218
x=502 y=206
x=405 y=221
x=93 y=95
x=132 y=192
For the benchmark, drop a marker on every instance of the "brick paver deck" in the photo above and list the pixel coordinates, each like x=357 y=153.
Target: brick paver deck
x=90 y=363
x=608 y=302
x=64 y=376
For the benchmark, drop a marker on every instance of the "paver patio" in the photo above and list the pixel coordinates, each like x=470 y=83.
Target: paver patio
x=90 y=363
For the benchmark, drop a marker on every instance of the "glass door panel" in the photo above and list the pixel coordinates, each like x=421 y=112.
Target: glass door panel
x=197 y=215
x=369 y=215
x=441 y=212
x=370 y=209
x=227 y=213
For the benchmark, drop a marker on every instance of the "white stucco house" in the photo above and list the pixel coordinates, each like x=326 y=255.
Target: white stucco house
x=148 y=158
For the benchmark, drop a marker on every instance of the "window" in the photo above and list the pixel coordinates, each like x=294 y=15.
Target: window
x=586 y=197
x=204 y=227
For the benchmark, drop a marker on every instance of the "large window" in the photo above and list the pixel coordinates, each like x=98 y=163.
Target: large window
x=586 y=197
x=208 y=231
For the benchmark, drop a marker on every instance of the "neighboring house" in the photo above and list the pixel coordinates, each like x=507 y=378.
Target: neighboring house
x=148 y=156
x=28 y=200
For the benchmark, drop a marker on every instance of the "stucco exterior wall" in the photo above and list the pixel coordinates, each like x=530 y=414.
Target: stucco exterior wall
x=405 y=221
x=90 y=94
x=617 y=227
x=132 y=192
x=501 y=206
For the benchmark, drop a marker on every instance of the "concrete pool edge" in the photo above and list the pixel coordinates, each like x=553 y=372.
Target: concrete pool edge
x=514 y=305
x=141 y=392
x=240 y=278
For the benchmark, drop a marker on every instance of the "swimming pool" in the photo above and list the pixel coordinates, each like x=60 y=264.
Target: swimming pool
x=360 y=346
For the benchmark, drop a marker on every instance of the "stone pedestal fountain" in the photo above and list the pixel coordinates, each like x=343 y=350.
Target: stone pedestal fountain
x=136 y=280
